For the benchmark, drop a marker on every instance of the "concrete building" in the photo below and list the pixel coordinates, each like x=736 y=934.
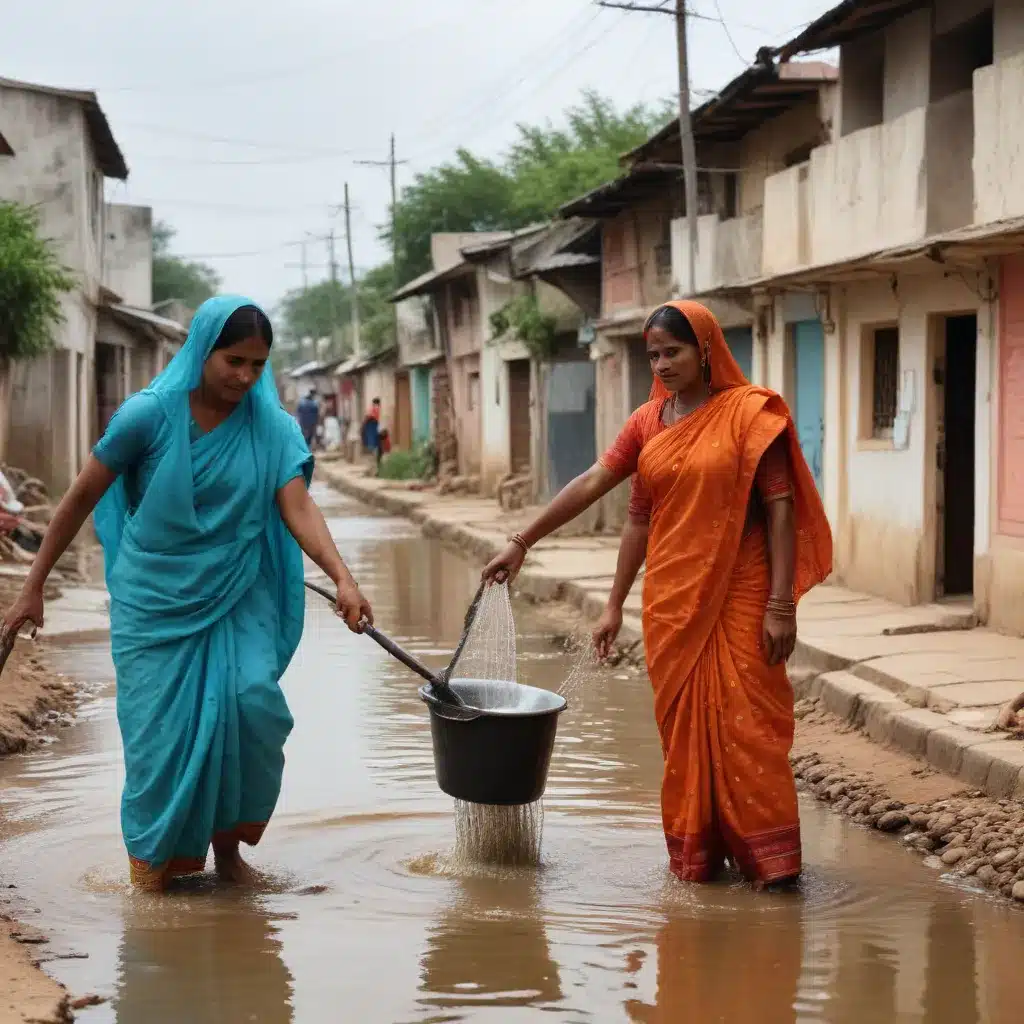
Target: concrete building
x=896 y=243
x=58 y=149
x=456 y=290
x=419 y=353
x=765 y=120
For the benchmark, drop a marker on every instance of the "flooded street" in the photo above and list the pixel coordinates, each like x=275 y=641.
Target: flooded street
x=363 y=922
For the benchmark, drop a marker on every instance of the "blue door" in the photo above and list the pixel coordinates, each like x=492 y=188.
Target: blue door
x=741 y=344
x=572 y=446
x=809 y=388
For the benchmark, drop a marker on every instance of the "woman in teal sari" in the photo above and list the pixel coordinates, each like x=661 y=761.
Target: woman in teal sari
x=200 y=487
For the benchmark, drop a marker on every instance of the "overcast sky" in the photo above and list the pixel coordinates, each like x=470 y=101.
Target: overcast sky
x=241 y=119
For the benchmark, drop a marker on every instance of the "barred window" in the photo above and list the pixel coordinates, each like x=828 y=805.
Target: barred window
x=885 y=381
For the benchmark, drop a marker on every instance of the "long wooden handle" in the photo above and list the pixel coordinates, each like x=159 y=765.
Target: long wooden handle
x=436 y=680
x=378 y=637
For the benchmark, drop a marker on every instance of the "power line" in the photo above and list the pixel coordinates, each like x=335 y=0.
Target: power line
x=728 y=34
x=572 y=58
x=577 y=25
x=181 y=133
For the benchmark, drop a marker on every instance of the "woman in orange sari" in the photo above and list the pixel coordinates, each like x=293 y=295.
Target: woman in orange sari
x=725 y=511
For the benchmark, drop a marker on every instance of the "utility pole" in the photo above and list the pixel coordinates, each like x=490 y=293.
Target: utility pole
x=687 y=145
x=686 y=138
x=354 y=301
x=391 y=163
x=305 y=265
x=332 y=259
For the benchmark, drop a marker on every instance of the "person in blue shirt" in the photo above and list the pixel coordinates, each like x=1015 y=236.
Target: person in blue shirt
x=308 y=415
x=200 y=486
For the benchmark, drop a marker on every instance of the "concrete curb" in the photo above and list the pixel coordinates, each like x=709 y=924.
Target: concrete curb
x=856 y=693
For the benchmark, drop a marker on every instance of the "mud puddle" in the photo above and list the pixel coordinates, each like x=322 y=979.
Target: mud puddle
x=364 y=921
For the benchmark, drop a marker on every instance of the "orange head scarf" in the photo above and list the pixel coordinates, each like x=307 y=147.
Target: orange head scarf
x=725 y=371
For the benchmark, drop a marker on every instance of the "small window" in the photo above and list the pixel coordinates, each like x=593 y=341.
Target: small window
x=730 y=201
x=663 y=250
x=473 y=392
x=884 y=381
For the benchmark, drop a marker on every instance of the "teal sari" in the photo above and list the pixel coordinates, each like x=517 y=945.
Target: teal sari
x=206 y=608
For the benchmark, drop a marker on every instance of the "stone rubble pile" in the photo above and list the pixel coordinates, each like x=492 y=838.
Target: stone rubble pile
x=970 y=835
x=25 y=510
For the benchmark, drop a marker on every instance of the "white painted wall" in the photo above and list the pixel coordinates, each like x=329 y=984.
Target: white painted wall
x=786 y=236
x=728 y=251
x=867 y=191
x=884 y=544
x=998 y=140
x=128 y=253
x=495 y=289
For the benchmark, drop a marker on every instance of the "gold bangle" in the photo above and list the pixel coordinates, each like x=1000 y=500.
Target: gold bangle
x=517 y=538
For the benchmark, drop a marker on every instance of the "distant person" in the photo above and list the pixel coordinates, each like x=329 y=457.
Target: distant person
x=371 y=430
x=200 y=486
x=308 y=415
x=726 y=514
x=332 y=426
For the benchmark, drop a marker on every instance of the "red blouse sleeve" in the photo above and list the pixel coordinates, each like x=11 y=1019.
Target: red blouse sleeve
x=624 y=453
x=773 y=479
x=639 y=500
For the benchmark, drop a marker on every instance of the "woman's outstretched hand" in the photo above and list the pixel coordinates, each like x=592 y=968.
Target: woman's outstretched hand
x=607 y=630
x=27 y=608
x=778 y=636
x=504 y=567
x=353 y=607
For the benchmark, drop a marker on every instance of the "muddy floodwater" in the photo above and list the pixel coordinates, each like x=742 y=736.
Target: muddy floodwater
x=363 y=920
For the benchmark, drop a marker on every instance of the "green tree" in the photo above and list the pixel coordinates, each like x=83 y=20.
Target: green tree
x=544 y=167
x=312 y=312
x=32 y=280
x=376 y=313
x=550 y=166
x=176 y=278
x=468 y=194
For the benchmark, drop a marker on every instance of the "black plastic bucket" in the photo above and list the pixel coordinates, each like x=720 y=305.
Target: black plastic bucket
x=502 y=757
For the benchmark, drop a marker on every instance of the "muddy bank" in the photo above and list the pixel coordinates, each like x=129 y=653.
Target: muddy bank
x=32 y=699
x=964 y=832
x=26 y=992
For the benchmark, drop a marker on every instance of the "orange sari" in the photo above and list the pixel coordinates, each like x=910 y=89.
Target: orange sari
x=724 y=714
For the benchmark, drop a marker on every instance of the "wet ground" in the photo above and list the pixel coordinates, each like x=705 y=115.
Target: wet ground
x=363 y=922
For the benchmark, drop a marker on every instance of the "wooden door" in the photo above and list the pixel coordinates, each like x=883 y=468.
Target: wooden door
x=403 y=412
x=519 y=415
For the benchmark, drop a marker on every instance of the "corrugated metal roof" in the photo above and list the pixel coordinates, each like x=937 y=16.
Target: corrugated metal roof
x=108 y=154
x=762 y=92
x=428 y=282
x=846 y=22
x=614 y=196
x=562 y=260
x=134 y=315
x=306 y=369
x=494 y=245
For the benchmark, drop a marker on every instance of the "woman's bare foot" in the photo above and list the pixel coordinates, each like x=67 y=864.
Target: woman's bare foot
x=231 y=868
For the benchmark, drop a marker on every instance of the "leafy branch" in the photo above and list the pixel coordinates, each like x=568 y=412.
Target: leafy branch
x=522 y=318
x=32 y=280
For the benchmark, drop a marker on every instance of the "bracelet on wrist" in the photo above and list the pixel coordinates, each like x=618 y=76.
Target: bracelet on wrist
x=517 y=539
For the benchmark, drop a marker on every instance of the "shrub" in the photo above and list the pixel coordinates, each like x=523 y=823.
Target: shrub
x=32 y=280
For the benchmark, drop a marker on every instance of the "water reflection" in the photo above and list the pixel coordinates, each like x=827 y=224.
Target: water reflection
x=724 y=968
x=206 y=959
x=599 y=934
x=489 y=947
